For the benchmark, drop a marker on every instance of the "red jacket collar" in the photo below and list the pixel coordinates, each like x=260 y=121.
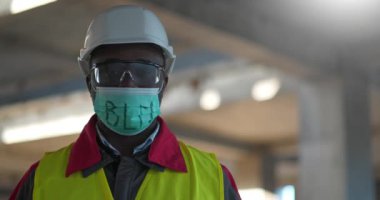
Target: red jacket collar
x=164 y=150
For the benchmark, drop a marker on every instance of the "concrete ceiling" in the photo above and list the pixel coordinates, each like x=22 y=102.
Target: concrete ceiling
x=319 y=34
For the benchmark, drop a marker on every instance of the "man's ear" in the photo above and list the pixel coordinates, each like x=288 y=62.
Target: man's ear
x=88 y=83
x=165 y=82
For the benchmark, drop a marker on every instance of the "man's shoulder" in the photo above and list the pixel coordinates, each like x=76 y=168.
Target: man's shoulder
x=24 y=187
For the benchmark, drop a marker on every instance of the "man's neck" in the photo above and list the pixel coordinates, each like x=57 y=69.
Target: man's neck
x=126 y=144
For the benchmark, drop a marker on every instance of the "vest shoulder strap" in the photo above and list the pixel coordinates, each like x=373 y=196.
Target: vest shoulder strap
x=50 y=181
x=203 y=179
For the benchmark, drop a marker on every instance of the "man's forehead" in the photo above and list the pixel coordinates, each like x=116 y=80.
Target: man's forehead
x=129 y=51
x=143 y=47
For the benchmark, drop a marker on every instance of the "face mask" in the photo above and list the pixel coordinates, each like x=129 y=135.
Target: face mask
x=126 y=111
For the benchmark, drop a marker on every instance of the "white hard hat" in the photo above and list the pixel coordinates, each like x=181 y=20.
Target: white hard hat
x=125 y=25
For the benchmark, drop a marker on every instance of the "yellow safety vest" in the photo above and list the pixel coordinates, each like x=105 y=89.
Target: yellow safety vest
x=202 y=181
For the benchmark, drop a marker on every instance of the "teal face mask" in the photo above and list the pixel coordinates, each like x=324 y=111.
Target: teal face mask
x=126 y=111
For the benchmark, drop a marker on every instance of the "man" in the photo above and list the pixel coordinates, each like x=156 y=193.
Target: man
x=126 y=151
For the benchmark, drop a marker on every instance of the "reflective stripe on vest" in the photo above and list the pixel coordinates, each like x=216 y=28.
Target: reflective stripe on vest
x=204 y=180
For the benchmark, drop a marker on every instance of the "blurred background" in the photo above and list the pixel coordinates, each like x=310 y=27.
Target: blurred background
x=285 y=92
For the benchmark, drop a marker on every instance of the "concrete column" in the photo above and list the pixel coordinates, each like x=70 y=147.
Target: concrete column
x=268 y=171
x=335 y=148
x=247 y=171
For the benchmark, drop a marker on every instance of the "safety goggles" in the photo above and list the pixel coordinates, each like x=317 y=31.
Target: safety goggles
x=121 y=73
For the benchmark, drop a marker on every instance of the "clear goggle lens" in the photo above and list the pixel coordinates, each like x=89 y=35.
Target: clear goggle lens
x=134 y=74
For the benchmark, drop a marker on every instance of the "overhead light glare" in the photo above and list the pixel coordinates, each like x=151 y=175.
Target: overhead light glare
x=18 y=6
x=351 y=4
x=45 y=129
x=350 y=11
x=210 y=99
x=287 y=192
x=257 y=194
x=266 y=89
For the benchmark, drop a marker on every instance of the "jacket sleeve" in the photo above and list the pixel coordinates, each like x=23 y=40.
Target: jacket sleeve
x=230 y=190
x=24 y=188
